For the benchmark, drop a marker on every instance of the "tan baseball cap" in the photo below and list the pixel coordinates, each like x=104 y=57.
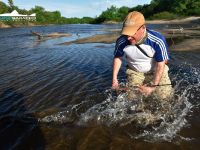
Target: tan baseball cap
x=132 y=23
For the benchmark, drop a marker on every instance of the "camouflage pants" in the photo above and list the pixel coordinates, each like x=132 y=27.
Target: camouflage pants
x=137 y=78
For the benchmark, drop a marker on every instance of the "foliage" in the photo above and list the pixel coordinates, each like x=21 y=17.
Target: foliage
x=179 y=7
x=187 y=7
x=122 y=12
x=157 y=9
x=11 y=4
x=164 y=15
x=112 y=14
x=3 y=8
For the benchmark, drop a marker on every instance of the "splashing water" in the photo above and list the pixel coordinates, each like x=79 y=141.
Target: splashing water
x=159 y=121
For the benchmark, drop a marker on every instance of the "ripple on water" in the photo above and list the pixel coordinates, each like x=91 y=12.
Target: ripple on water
x=115 y=110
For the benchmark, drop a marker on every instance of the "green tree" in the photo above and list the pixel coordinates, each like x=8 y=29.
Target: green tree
x=56 y=16
x=122 y=12
x=164 y=15
x=37 y=9
x=162 y=5
x=87 y=20
x=187 y=7
x=193 y=7
x=39 y=13
x=11 y=4
x=3 y=8
x=23 y=11
x=110 y=14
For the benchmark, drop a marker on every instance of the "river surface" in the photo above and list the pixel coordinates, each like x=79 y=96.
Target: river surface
x=59 y=97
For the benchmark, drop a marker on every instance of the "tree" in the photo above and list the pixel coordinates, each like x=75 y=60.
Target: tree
x=187 y=7
x=122 y=12
x=11 y=4
x=193 y=7
x=37 y=9
x=111 y=13
x=3 y=8
x=162 y=5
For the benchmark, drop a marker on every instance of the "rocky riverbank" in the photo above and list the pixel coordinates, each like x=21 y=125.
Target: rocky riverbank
x=178 y=39
x=3 y=25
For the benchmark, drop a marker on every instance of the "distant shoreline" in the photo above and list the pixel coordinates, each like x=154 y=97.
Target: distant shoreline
x=175 y=21
x=179 y=39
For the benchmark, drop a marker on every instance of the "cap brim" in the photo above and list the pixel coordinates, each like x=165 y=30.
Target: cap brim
x=129 y=30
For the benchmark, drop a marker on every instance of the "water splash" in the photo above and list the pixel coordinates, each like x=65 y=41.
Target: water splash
x=157 y=120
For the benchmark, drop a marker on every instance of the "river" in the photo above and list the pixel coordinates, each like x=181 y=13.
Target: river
x=59 y=97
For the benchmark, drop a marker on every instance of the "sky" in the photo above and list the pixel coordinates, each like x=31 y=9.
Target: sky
x=77 y=8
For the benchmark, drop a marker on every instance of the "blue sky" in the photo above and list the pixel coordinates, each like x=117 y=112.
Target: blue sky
x=77 y=8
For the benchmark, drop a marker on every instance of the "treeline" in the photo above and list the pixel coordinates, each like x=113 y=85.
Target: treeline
x=43 y=16
x=157 y=9
x=170 y=9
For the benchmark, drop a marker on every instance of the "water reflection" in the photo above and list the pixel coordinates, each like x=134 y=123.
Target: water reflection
x=156 y=121
x=56 y=96
x=18 y=128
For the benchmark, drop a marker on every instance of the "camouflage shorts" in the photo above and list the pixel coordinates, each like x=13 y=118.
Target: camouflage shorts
x=137 y=78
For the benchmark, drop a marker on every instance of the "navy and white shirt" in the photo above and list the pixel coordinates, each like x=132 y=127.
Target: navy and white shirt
x=155 y=42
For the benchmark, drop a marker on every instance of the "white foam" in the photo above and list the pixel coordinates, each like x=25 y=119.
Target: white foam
x=117 y=110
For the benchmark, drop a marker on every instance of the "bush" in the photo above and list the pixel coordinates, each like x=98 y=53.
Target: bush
x=164 y=15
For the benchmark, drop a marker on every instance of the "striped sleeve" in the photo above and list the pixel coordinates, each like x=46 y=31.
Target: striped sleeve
x=160 y=46
x=121 y=43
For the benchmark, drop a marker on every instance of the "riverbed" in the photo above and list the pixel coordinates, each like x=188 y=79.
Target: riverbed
x=55 y=96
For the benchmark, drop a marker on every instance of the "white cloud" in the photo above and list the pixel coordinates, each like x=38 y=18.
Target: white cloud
x=79 y=9
x=119 y=3
x=104 y=4
x=68 y=10
x=92 y=9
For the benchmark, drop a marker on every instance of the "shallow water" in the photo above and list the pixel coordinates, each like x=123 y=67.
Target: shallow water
x=59 y=97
